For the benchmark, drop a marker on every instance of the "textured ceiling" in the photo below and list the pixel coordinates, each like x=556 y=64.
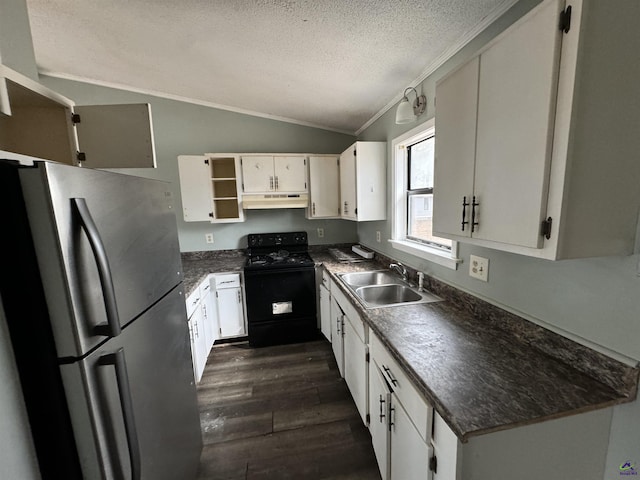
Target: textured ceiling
x=327 y=63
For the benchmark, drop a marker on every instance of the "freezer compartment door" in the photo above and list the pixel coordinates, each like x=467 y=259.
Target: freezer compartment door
x=133 y=401
x=107 y=248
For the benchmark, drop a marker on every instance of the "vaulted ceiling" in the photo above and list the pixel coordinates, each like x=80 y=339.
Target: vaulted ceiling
x=327 y=63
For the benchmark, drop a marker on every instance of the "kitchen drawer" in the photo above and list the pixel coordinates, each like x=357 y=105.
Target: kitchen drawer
x=350 y=312
x=416 y=407
x=193 y=301
x=226 y=280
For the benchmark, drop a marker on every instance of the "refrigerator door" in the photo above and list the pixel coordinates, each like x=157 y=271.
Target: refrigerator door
x=107 y=248
x=133 y=400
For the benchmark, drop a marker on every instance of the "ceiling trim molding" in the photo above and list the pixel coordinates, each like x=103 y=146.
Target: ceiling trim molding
x=194 y=101
x=444 y=57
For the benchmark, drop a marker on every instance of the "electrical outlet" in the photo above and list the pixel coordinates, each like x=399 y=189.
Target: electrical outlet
x=320 y=232
x=479 y=268
x=209 y=237
x=378 y=236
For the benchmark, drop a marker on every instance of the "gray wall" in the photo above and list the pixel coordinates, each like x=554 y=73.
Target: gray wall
x=594 y=301
x=16 y=46
x=187 y=129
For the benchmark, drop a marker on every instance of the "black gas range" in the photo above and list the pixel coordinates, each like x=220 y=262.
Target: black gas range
x=280 y=289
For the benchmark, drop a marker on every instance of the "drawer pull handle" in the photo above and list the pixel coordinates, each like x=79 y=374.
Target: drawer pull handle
x=391 y=377
x=382 y=402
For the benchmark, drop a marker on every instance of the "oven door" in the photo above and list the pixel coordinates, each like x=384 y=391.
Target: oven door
x=281 y=305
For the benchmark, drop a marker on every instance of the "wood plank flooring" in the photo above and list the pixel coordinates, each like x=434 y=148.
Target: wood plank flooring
x=280 y=412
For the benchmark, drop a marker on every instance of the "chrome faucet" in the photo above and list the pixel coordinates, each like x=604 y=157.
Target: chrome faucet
x=400 y=269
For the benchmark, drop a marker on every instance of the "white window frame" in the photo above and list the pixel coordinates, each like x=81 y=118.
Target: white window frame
x=400 y=167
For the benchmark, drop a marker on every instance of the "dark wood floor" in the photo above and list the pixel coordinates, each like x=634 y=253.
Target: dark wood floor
x=280 y=412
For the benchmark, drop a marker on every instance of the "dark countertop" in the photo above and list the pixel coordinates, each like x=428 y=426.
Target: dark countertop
x=484 y=369
x=197 y=265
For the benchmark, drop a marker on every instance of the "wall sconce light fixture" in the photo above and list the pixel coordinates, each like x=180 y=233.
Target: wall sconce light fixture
x=407 y=113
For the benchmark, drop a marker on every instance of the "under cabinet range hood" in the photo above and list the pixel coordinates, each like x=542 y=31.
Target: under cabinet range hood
x=275 y=200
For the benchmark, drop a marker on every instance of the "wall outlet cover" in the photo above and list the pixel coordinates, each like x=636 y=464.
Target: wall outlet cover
x=479 y=268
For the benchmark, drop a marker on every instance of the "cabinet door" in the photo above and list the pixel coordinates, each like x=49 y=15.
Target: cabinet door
x=409 y=453
x=209 y=315
x=325 y=312
x=116 y=136
x=257 y=174
x=290 y=173
x=199 y=348
x=195 y=188
x=445 y=448
x=324 y=183
x=230 y=312
x=337 y=322
x=356 y=367
x=455 y=148
x=379 y=398
x=348 y=183
x=516 y=109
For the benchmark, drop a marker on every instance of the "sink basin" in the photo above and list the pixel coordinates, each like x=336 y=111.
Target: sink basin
x=383 y=288
x=387 y=294
x=376 y=277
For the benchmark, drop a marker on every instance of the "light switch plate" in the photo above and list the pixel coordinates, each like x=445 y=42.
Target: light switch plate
x=479 y=268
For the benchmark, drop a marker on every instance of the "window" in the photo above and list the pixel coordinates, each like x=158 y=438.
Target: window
x=413 y=193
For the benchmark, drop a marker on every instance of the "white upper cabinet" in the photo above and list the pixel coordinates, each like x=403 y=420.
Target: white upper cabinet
x=520 y=162
x=324 y=186
x=363 y=189
x=209 y=188
x=38 y=122
x=269 y=173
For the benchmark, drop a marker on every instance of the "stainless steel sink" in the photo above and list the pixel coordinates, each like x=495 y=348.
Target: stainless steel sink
x=363 y=279
x=384 y=288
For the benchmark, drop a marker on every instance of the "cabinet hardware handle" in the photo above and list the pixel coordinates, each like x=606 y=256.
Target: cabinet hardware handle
x=391 y=377
x=338 y=326
x=474 y=204
x=313 y=208
x=239 y=297
x=345 y=209
x=465 y=204
x=270 y=183
x=391 y=412
x=276 y=182
x=382 y=415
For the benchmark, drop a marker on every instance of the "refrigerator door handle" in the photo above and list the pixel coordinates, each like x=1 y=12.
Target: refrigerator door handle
x=112 y=327
x=117 y=360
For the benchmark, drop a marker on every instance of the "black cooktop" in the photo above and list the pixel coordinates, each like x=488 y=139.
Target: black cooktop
x=278 y=250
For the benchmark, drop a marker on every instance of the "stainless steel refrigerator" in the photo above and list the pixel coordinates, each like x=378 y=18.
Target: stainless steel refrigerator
x=92 y=291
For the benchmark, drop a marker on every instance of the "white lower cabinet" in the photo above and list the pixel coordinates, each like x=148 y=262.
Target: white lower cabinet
x=349 y=338
x=410 y=454
x=325 y=311
x=196 y=332
x=379 y=398
x=356 y=367
x=209 y=314
x=229 y=305
x=337 y=333
x=400 y=420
